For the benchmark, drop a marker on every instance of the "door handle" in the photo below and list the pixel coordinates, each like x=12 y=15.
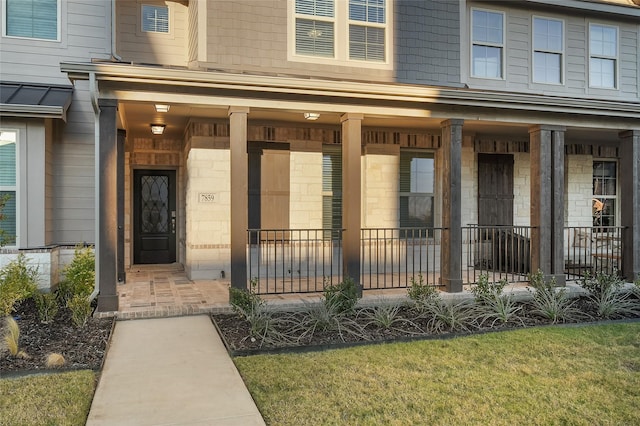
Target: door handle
x=173 y=221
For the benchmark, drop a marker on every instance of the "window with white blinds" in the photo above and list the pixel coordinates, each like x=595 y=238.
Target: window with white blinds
x=367 y=19
x=332 y=187
x=155 y=19
x=417 y=182
x=342 y=30
x=32 y=19
x=8 y=186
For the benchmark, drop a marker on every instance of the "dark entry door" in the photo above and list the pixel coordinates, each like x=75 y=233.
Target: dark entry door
x=495 y=189
x=154 y=216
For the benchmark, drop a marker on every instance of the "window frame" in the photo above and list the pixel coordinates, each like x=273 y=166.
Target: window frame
x=15 y=188
x=615 y=59
x=5 y=32
x=601 y=197
x=154 y=5
x=416 y=153
x=502 y=45
x=341 y=42
x=535 y=50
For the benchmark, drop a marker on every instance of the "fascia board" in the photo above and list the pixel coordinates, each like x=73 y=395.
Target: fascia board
x=32 y=111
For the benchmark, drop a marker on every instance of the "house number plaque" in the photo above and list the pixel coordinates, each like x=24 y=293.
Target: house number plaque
x=206 y=197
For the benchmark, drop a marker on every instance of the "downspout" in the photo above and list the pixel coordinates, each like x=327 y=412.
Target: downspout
x=114 y=55
x=93 y=93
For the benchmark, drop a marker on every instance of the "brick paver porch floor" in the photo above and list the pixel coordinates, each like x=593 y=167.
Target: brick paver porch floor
x=164 y=290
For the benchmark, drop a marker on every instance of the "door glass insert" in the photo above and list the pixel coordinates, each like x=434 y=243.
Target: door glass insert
x=155 y=204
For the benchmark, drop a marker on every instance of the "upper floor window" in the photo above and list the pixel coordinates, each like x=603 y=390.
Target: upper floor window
x=603 y=56
x=8 y=186
x=487 y=49
x=155 y=19
x=354 y=30
x=32 y=19
x=315 y=27
x=548 y=50
x=366 y=30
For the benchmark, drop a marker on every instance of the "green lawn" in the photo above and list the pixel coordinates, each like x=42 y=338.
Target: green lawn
x=554 y=375
x=51 y=399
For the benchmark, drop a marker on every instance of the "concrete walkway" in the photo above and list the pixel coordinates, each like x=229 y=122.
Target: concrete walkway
x=170 y=371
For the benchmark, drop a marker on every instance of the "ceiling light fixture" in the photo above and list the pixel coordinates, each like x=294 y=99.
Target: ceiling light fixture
x=311 y=115
x=157 y=129
x=162 y=108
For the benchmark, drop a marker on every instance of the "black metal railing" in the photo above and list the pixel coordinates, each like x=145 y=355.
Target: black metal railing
x=393 y=257
x=592 y=249
x=283 y=261
x=502 y=252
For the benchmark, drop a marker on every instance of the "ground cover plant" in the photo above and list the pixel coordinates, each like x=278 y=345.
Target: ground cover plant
x=578 y=375
x=51 y=399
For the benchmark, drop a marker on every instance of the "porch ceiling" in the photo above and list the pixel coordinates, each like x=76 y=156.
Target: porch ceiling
x=136 y=118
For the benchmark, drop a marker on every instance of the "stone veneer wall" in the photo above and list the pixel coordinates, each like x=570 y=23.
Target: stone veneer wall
x=521 y=189
x=208 y=231
x=578 y=190
x=305 y=185
x=380 y=186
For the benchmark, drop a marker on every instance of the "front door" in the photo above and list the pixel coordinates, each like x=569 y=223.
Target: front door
x=154 y=216
x=495 y=189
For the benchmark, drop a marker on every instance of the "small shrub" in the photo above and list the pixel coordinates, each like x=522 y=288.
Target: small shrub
x=47 y=305
x=79 y=275
x=55 y=360
x=18 y=281
x=420 y=293
x=80 y=307
x=343 y=295
x=327 y=316
x=244 y=302
x=500 y=309
x=601 y=282
x=551 y=303
x=450 y=316
x=11 y=338
x=383 y=316
x=610 y=303
x=487 y=292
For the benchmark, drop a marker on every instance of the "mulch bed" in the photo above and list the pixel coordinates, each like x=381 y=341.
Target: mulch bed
x=236 y=331
x=82 y=348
